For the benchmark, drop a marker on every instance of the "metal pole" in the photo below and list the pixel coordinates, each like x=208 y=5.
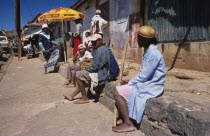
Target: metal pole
x=17 y=26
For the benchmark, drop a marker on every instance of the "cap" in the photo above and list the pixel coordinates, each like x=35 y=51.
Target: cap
x=146 y=31
x=81 y=46
x=98 y=11
x=44 y=26
x=95 y=37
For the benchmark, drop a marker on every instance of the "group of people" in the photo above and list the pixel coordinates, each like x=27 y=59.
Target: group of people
x=91 y=65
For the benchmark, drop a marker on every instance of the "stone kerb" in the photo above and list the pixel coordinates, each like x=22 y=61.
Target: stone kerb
x=164 y=116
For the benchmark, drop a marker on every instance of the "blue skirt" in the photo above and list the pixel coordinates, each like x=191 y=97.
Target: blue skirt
x=51 y=58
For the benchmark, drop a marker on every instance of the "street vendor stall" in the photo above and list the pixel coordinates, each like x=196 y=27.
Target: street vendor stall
x=61 y=15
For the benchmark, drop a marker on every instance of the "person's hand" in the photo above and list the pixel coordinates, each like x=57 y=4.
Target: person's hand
x=77 y=53
x=123 y=82
x=86 y=60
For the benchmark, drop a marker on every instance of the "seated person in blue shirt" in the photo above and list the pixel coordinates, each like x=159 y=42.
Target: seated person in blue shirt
x=132 y=95
x=99 y=67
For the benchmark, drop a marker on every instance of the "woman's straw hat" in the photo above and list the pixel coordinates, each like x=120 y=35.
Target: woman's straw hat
x=146 y=31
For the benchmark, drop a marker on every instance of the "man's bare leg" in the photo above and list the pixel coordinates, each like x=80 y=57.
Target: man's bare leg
x=127 y=125
x=72 y=84
x=81 y=87
x=71 y=96
x=68 y=76
x=45 y=70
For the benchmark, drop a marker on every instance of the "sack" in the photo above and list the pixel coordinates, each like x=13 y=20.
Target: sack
x=114 y=69
x=84 y=64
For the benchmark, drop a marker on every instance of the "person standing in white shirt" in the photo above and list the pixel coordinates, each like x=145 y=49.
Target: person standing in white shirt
x=98 y=24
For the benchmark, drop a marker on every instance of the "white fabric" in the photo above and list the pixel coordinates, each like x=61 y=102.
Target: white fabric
x=87 y=42
x=102 y=22
x=81 y=46
x=95 y=37
x=45 y=35
x=94 y=81
x=98 y=11
x=44 y=26
x=78 y=30
x=86 y=55
x=27 y=47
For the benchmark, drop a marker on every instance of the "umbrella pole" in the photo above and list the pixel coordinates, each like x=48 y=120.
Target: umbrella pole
x=63 y=41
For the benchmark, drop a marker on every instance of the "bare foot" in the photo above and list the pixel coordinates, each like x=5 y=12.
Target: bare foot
x=124 y=128
x=68 y=97
x=67 y=83
x=81 y=101
x=119 y=122
x=45 y=73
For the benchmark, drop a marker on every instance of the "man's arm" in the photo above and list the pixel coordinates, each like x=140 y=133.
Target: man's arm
x=41 y=47
x=148 y=67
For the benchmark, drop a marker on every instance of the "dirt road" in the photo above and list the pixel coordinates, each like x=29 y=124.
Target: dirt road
x=31 y=104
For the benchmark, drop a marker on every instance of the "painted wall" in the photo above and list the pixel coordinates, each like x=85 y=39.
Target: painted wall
x=124 y=22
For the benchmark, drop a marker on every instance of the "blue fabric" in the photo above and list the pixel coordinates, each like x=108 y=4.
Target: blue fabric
x=100 y=64
x=149 y=83
x=45 y=41
x=52 y=60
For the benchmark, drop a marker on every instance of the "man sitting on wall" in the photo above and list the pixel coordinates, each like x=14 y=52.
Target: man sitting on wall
x=99 y=69
x=131 y=97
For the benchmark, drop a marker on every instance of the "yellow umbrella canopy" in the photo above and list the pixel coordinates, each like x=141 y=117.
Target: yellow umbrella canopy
x=61 y=14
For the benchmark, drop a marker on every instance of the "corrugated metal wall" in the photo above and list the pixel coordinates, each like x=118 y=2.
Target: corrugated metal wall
x=176 y=20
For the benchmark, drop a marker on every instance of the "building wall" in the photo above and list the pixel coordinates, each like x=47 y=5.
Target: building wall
x=178 y=20
x=126 y=16
x=192 y=55
x=125 y=20
x=88 y=8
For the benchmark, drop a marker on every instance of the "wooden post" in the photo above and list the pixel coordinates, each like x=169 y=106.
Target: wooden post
x=17 y=26
x=119 y=82
x=63 y=41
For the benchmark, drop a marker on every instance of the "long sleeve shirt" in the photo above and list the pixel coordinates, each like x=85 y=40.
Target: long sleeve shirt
x=45 y=41
x=100 y=64
x=149 y=83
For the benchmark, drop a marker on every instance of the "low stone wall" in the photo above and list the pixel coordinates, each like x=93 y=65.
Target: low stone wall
x=166 y=115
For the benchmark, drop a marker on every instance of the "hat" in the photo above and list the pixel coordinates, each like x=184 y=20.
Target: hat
x=146 y=31
x=95 y=37
x=44 y=26
x=98 y=11
x=81 y=46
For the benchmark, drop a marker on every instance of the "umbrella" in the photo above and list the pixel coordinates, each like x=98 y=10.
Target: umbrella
x=61 y=15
